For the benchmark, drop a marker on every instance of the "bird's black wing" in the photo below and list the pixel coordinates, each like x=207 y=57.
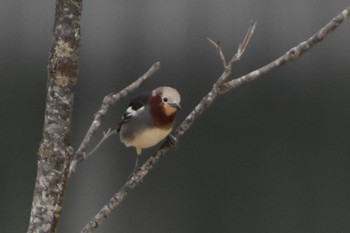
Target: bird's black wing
x=134 y=105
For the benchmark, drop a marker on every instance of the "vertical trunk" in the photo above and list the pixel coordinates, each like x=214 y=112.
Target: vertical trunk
x=54 y=155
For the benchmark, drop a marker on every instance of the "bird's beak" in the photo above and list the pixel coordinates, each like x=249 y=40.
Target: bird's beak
x=175 y=105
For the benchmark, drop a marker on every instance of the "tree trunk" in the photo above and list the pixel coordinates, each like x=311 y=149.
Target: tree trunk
x=55 y=152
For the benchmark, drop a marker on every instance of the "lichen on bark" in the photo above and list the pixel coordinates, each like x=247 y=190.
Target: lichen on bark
x=55 y=153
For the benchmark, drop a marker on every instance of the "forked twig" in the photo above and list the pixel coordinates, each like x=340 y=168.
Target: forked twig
x=106 y=135
x=218 y=48
x=244 y=44
x=241 y=48
x=291 y=55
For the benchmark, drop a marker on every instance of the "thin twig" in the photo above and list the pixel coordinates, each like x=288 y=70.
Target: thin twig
x=290 y=55
x=235 y=58
x=106 y=135
x=241 y=48
x=197 y=111
x=219 y=49
x=244 y=44
x=107 y=102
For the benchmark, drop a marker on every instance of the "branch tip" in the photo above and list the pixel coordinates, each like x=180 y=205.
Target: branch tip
x=218 y=48
x=215 y=44
x=247 y=38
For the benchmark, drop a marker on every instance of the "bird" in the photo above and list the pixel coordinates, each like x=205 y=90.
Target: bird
x=149 y=119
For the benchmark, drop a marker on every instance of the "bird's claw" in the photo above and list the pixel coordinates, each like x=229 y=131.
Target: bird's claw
x=171 y=140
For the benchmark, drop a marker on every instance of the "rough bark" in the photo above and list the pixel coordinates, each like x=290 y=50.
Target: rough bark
x=54 y=155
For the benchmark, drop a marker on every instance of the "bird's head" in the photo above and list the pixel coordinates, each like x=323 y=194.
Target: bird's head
x=164 y=102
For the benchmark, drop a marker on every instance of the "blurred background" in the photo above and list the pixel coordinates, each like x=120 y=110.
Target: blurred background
x=271 y=156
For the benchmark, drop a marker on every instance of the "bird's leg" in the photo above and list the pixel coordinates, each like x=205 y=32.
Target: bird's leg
x=136 y=167
x=136 y=164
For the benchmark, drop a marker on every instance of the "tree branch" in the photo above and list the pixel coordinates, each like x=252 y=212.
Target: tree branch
x=55 y=152
x=290 y=55
x=220 y=87
x=107 y=102
x=106 y=135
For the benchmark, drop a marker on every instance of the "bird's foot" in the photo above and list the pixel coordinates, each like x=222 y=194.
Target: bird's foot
x=171 y=140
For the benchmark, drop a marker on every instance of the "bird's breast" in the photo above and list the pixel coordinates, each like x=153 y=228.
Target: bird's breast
x=147 y=137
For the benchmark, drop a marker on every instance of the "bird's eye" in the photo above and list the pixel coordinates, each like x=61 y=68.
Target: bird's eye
x=165 y=99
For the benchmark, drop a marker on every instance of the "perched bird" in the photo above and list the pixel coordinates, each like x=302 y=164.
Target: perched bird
x=149 y=118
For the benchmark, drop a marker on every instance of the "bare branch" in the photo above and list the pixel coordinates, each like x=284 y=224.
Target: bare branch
x=107 y=102
x=290 y=55
x=106 y=135
x=218 y=48
x=241 y=48
x=235 y=58
x=244 y=44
